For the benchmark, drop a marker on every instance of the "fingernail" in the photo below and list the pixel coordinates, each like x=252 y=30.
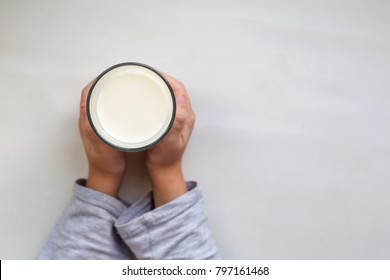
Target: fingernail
x=180 y=100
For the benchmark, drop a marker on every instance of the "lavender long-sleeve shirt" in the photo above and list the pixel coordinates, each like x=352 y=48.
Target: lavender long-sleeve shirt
x=97 y=226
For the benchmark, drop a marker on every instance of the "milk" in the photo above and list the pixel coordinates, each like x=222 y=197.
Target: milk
x=131 y=107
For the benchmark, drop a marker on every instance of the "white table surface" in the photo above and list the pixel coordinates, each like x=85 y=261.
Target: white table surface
x=292 y=140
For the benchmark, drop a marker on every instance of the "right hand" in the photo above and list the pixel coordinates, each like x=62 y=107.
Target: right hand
x=169 y=152
x=164 y=160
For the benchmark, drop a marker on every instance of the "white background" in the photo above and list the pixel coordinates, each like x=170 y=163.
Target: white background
x=292 y=142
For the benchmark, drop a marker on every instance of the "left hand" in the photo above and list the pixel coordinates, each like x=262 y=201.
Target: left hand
x=107 y=165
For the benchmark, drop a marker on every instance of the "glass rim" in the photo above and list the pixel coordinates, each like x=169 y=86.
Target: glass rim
x=126 y=149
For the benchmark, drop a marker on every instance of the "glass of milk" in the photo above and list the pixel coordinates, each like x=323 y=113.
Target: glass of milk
x=131 y=106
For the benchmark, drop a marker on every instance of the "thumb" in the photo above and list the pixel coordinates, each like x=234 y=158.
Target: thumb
x=181 y=112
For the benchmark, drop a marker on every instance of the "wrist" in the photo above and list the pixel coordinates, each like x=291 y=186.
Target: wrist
x=156 y=170
x=107 y=183
x=167 y=183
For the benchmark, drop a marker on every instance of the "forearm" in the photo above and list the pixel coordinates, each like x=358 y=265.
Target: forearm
x=167 y=183
x=106 y=183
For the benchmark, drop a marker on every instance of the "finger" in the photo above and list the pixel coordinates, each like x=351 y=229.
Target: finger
x=84 y=92
x=181 y=112
x=183 y=125
x=83 y=100
x=177 y=86
x=83 y=121
x=184 y=114
x=179 y=90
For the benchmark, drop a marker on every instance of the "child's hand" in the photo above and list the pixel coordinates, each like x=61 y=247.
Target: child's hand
x=170 y=151
x=107 y=165
x=164 y=160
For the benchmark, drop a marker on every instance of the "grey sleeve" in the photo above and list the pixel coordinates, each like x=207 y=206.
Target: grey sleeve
x=176 y=230
x=98 y=226
x=86 y=228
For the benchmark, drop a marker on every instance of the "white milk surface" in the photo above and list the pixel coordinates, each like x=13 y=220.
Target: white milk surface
x=133 y=104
